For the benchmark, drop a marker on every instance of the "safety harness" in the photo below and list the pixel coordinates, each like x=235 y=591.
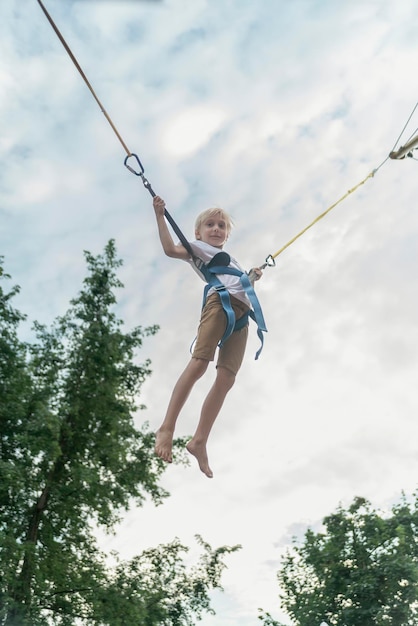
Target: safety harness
x=219 y=264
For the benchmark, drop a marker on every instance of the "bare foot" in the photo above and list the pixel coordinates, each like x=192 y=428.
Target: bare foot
x=199 y=452
x=164 y=444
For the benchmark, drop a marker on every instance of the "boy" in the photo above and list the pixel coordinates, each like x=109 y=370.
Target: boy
x=212 y=229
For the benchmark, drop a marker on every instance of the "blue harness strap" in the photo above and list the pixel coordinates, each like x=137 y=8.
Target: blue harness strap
x=210 y=272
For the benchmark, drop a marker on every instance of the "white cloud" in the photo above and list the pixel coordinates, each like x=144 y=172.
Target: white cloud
x=189 y=130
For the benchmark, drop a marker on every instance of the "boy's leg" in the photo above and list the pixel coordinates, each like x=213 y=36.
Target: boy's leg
x=229 y=362
x=211 y=329
x=164 y=436
x=210 y=411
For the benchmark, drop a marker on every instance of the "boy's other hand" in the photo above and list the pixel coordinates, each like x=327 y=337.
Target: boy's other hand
x=159 y=205
x=255 y=273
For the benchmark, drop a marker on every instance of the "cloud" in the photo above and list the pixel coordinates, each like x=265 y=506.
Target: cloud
x=189 y=130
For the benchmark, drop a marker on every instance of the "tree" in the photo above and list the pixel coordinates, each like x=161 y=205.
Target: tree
x=362 y=569
x=267 y=619
x=161 y=589
x=71 y=457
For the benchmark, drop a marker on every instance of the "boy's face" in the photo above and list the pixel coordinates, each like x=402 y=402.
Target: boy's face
x=213 y=231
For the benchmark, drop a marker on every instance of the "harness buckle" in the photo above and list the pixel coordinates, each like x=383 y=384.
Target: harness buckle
x=198 y=262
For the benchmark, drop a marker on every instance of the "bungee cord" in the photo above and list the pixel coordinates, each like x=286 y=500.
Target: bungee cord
x=74 y=60
x=403 y=151
x=138 y=169
x=270 y=260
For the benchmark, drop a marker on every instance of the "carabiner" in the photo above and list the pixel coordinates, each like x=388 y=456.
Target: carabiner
x=269 y=262
x=139 y=172
x=130 y=168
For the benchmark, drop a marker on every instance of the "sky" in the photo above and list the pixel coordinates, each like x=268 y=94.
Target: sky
x=272 y=110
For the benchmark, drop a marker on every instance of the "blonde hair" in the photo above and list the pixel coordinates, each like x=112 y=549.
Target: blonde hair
x=202 y=217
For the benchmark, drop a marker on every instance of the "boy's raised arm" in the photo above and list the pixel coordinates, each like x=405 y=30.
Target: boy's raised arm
x=170 y=248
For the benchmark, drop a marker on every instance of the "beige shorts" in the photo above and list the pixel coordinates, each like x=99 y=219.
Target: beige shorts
x=211 y=329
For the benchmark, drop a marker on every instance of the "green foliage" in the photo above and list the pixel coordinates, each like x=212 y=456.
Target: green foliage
x=267 y=619
x=72 y=458
x=363 y=569
x=161 y=588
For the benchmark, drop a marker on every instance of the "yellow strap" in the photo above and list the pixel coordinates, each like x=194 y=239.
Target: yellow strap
x=323 y=214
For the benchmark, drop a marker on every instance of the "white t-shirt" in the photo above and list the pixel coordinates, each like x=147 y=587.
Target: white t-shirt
x=206 y=252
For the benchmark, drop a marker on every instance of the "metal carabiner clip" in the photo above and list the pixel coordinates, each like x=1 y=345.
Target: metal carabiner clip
x=132 y=169
x=139 y=172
